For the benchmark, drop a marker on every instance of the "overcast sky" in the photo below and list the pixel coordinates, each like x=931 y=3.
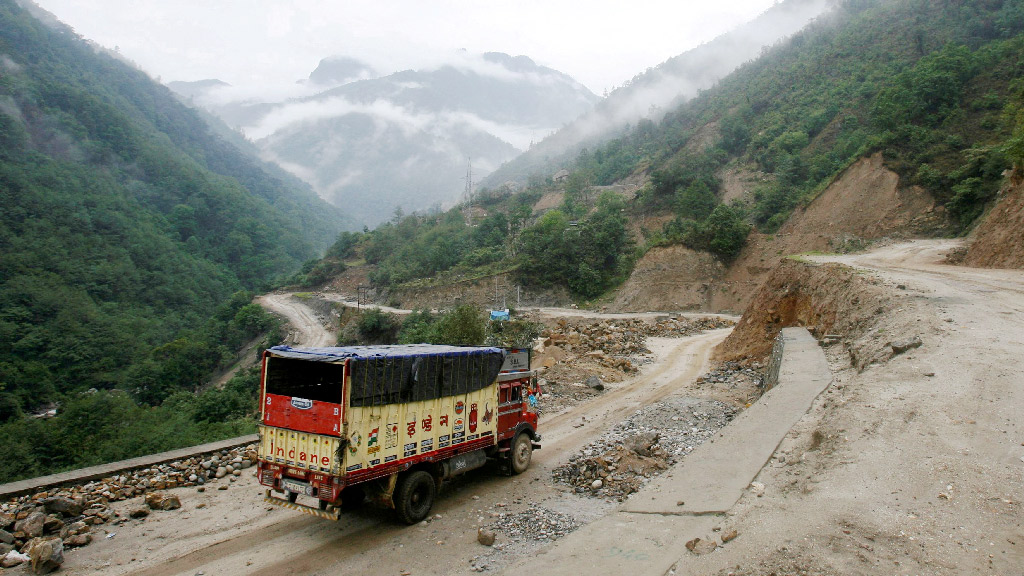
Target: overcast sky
x=600 y=43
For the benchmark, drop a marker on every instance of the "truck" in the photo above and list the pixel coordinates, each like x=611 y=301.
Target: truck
x=341 y=425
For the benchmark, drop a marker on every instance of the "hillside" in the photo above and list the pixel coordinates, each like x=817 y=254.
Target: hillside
x=126 y=229
x=652 y=93
x=882 y=120
x=374 y=144
x=999 y=238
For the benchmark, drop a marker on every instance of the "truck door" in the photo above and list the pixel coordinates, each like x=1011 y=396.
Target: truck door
x=304 y=396
x=510 y=407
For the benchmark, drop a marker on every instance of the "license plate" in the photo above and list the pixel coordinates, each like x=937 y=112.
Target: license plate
x=297 y=487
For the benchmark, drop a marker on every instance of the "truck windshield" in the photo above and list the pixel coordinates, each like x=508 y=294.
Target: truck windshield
x=317 y=381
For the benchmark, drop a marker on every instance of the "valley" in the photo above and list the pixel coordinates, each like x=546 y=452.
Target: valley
x=858 y=184
x=910 y=462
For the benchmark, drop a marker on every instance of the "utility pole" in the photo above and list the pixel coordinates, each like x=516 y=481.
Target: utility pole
x=468 y=193
x=361 y=293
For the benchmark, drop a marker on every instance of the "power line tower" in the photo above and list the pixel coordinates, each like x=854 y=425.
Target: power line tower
x=468 y=193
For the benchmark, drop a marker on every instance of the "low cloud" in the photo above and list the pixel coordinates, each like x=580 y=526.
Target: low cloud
x=390 y=114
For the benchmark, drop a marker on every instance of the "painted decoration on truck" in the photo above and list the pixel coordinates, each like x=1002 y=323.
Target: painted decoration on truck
x=396 y=432
x=372 y=447
x=410 y=426
x=391 y=433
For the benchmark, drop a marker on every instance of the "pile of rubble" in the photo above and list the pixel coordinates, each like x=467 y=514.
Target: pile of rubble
x=535 y=523
x=616 y=343
x=733 y=374
x=37 y=528
x=647 y=443
x=534 y=526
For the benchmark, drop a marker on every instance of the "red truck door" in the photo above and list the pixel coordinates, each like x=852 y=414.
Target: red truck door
x=510 y=407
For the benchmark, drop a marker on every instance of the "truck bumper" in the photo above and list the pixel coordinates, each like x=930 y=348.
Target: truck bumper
x=334 y=514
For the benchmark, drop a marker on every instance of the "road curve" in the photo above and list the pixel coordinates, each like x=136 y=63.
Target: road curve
x=308 y=328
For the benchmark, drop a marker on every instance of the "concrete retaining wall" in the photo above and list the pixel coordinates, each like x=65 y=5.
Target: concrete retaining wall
x=82 y=475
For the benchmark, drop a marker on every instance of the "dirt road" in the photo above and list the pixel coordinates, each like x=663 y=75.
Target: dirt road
x=232 y=532
x=914 y=466
x=309 y=330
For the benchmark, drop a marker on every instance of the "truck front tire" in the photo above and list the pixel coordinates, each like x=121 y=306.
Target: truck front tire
x=522 y=452
x=414 y=496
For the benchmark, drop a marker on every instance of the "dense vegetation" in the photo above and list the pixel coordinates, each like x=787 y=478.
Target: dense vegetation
x=464 y=325
x=125 y=231
x=935 y=86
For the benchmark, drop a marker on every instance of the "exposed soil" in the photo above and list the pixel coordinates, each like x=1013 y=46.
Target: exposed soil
x=851 y=308
x=671 y=278
x=835 y=221
x=999 y=238
x=911 y=465
x=738 y=183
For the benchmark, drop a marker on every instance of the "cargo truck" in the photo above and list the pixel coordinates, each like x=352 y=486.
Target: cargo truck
x=389 y=423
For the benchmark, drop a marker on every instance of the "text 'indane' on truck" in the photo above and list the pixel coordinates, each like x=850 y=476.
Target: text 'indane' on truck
x=389 y=422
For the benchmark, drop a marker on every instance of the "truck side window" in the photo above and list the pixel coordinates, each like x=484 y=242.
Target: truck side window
x=515 y=394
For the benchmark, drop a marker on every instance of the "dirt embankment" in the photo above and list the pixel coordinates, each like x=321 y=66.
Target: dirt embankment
x=999 y=239
x=836 y=303
x=864 y=204
x=671 y=278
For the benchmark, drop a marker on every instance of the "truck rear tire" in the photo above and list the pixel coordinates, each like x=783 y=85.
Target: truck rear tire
x=522 y=452
x=414 y=496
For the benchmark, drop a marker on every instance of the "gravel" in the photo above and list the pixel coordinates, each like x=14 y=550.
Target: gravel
x=625 y=458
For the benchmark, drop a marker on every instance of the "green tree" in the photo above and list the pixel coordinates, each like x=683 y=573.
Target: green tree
x=463 y=326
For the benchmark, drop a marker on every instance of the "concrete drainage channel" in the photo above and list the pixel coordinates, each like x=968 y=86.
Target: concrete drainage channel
x=650 y=533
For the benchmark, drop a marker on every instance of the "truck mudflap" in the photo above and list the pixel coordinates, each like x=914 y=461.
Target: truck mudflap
x=332 y=514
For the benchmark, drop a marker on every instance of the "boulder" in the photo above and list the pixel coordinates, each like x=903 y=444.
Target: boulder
x=52 y=524
x=595 y=383
x=159 y=501
x=32 y=525
x=901 y=346
x=13 y=558
x=61 y=505
x=78 y=540
x=642 y=443
x=46 y=555
x=485 y=536
x=699 y=546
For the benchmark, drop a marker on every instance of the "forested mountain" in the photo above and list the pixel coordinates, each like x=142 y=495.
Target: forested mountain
x=936 y=86
x=126 y=228
x=652 y=93
x=404 y=140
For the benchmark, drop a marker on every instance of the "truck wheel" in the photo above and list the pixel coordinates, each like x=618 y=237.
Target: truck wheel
x=292 y=496
x=414 y=496
x=522 y=451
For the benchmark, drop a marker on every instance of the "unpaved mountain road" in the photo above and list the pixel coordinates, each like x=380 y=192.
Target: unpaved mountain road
x=232 y=532
x=308 y=328
x=913 y=466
